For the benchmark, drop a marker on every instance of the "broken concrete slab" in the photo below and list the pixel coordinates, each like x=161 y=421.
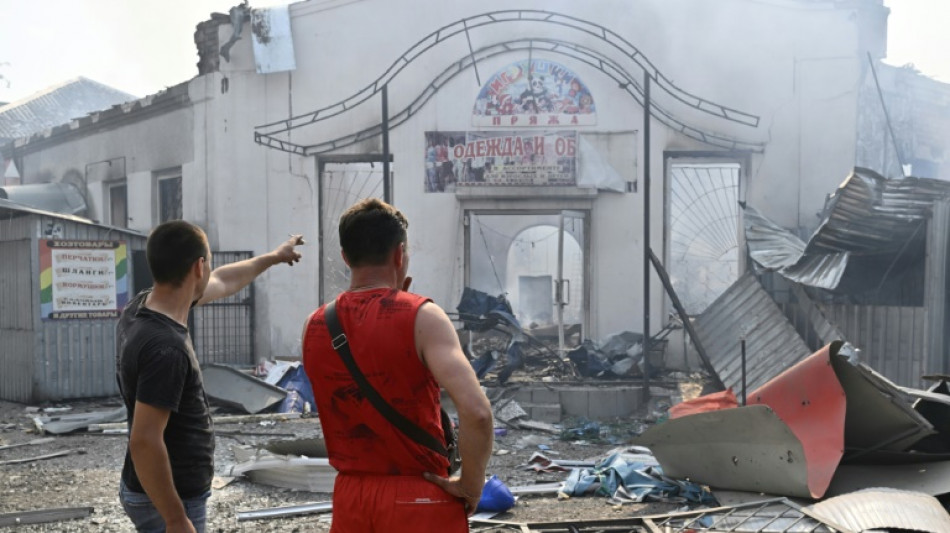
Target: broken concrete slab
x=231 y=386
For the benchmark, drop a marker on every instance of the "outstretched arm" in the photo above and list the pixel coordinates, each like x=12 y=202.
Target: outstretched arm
x=229 y=279
x=438 y=345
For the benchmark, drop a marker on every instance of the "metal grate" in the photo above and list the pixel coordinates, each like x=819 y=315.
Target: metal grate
x=223 y=330
x=779 y=515
x=343 y=184
x=704 y=232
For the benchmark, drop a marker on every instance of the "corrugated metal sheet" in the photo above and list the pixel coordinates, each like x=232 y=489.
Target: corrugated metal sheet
x=56 y=359
x=867 y=215
x=776 y=248
x=874 y=215
x=56 y=197
x=772 y=344
x=57 y=105
x=17 y=335
x=16 y=379
x=75 y=359
x=885 y=509
x=892 y=340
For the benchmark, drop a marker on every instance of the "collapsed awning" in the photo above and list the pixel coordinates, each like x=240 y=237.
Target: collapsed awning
x=868 y=221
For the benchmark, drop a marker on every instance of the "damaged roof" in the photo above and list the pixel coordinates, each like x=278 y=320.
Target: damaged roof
x=57 y=105
x=867 y=216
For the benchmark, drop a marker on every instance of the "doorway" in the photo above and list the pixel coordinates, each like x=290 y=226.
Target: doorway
x=537 y=260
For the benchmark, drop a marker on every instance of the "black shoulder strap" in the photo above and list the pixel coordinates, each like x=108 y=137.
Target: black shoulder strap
x=342 y=347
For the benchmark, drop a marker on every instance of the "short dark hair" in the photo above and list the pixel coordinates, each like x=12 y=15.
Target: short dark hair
x=370 y=230
x=172 y=248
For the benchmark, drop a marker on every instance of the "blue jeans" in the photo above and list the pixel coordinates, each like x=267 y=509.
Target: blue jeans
x=145 y=516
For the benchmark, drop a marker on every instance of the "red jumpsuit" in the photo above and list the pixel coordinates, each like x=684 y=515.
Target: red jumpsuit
x=380 y=486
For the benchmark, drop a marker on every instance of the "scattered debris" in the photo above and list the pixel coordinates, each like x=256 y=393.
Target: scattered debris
x=312 y=474
x=508 y=410
x=826 y=410
x=930 y=478
x=633 y=481
x=747 y=448
x=541 y=463
x=619 y=355
x=536 y=425
x=218 y=420
x=283 y=512
x=236 y=388
x=885 y=509
x=61 y=424
x=44 y=516
x=39 y=457
x=33 y=442
x=779 y=515
x=711 y=402
x=537 y=489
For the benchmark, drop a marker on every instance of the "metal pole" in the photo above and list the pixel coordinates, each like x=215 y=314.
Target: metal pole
x=387 y=194
x=646 y=237
x=887 y=116
x=559 y=288
x=742 y=342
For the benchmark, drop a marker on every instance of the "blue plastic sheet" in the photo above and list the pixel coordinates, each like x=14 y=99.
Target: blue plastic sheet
x=299 y=391
x=634 y=481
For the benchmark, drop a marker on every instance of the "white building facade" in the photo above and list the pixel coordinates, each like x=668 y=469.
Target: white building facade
x=516 y=134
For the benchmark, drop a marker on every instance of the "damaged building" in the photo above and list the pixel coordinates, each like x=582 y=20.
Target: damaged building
x=540 y=150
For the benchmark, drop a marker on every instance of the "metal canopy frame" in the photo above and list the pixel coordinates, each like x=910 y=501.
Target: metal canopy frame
x=267 y=134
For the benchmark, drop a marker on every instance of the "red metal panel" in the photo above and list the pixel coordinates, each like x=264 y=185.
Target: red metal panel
x=809 y=398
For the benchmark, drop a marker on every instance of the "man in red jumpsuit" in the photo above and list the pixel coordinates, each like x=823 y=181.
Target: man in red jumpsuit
x=407 y=348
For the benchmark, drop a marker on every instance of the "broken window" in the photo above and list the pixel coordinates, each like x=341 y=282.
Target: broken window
x=169 y=197
x=342 y=185
x=119 y=205
x=703 y=231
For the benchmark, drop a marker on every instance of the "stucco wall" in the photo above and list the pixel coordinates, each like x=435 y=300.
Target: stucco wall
x=796 y=65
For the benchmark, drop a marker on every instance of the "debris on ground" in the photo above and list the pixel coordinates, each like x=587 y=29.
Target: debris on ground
x=827 y=426
x=297 y=472
x=239 y=389
x=44 y=516
x=59 y=424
